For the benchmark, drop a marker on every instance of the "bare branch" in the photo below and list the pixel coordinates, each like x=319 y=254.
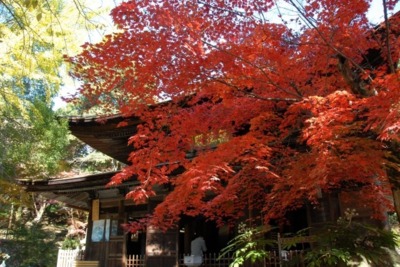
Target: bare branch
x=387 y=30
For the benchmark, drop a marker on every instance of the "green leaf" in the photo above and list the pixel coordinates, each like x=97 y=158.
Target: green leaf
x=26 y=3
x=34 y=3
x=39 y=16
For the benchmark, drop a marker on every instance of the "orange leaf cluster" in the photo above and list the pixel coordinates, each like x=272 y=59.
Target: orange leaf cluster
x=241 y=114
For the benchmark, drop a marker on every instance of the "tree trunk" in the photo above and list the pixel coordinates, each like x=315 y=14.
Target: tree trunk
x=396 y=201
x=11 y=217
x=39 y=210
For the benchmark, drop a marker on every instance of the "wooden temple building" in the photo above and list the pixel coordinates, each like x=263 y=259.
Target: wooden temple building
x=108 y=209
x=106 y=240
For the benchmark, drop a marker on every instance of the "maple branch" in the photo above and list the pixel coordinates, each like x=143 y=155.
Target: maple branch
x=222 y=9
x=273 y=98
x=387 y=30
x=348 y=76
x=257 y=96
x=292 y=84
x=252 y=65
x=342 y=56
x=304 y=18
x=296 y=88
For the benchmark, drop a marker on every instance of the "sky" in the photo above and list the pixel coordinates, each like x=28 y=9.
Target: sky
x=375 y=13
x=375 y=16
x=70 y=86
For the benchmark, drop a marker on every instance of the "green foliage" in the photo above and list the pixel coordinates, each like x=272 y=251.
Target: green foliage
x=33 y=39
x=95 y=161
x=81 y=158
x=344 y=243
x=36 y=36
x=347 y=242
x=32 y=246
x=34 y=142
x=70 y=243
x=56 y=214
x=249 y=245
x=327 y=257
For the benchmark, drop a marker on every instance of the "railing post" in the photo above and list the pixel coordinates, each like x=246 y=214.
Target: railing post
x=279 y=249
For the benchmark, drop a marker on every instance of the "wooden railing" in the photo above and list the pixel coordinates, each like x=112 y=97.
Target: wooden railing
x=287 y=258
x=212 y=260
x=292 y=258
x=135 y=261
x=66 y=258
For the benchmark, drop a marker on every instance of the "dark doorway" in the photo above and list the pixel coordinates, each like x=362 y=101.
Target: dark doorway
x=216 y=238
x=135 y=243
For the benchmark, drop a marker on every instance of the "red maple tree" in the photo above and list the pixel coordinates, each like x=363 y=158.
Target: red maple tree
x=253 y=115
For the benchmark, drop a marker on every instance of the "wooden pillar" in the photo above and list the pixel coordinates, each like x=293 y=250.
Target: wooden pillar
x=122 y=220
x=88 y=247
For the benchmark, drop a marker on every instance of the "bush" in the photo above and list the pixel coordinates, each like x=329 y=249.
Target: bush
x=32 y=246
x=348 y=242
x=343 y=243
x=249 y=245
x=70 y=243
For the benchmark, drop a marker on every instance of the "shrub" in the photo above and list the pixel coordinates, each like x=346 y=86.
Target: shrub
x=32 y=246
x=347 y=242
x=249 y=245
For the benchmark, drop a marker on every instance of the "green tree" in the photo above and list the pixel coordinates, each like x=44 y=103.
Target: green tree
x=348 y=242
x=34 y=37
x=32 y=246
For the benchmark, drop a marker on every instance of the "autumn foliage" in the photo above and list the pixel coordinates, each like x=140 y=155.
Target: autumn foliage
x=240 y=113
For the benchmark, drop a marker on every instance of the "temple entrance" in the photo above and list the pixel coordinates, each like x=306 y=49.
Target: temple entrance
x=135 y=243
x=216 y=238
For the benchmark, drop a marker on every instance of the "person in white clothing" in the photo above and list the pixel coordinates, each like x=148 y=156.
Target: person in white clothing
x=198 y=246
